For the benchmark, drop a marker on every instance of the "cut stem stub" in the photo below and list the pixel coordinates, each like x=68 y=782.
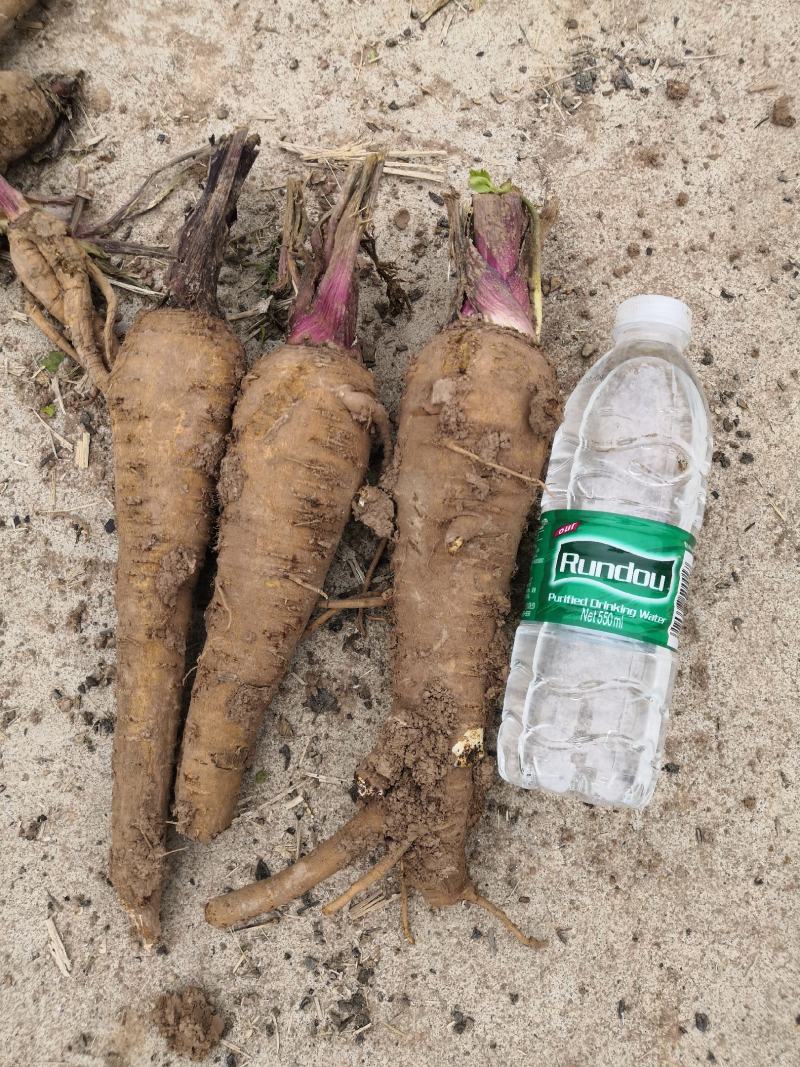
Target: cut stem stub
x=326 y=306
x=496 y=250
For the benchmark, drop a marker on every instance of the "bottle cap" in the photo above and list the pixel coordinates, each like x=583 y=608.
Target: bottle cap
x=652 y=310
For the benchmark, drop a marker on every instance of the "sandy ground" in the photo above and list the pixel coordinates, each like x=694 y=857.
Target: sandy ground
x=673 y=937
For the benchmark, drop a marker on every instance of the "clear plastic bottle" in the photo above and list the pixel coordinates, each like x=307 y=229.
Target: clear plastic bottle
x=587 y=700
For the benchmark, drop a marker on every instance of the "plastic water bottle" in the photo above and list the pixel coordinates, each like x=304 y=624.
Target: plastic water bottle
x=594 y=658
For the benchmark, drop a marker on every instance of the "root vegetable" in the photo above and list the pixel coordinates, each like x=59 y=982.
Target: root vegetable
x=170 y=393
x=476 y=421
x=33 y=110
x=11 y=11
x=297 y=455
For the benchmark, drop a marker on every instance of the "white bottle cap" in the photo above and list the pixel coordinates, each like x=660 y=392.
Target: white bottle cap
x=650 y=310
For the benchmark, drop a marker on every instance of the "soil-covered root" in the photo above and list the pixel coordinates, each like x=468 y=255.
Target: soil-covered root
x=476 y=421
x=34 y=111
x=170 y=395
x=296 y=457
x=11 y=11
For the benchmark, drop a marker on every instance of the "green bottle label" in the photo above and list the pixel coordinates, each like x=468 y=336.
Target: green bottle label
x=612 y=573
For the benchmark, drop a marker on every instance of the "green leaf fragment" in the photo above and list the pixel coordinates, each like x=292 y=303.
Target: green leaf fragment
x=260 y=777
x=480 y=181
x=53 y=360
x=48 y=411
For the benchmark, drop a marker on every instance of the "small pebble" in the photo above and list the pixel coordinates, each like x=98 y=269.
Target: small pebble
x=294 y=64
x=701 y=1021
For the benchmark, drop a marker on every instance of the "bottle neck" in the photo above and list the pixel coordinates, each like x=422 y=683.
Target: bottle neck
x=652 y=333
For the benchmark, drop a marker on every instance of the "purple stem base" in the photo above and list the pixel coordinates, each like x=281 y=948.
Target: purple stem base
x=12 y=202
x=494 y=261
x=326 y=307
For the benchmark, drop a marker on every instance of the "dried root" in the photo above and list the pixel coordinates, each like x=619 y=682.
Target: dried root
x=56 y=269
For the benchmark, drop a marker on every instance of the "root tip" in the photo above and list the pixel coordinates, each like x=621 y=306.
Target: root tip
x=146 y=926
x=472 y=896
x=215 y=912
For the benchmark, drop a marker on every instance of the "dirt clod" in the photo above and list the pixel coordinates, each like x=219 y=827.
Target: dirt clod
x=322 y=701
x=676 y=90
x=782 y=112
x=460 y=1021
x=375 y=509
x=188 y=1022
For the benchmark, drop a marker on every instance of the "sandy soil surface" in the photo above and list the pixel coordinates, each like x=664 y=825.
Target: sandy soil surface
x=673 y=937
